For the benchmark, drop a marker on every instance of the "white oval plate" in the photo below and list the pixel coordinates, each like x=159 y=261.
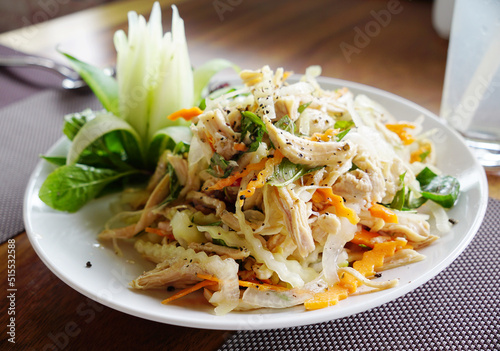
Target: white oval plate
x=65 y=242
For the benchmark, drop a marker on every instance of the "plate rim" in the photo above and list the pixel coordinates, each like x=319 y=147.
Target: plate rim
x=308 y=317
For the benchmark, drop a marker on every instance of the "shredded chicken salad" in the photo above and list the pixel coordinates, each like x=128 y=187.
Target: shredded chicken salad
x=286 y=194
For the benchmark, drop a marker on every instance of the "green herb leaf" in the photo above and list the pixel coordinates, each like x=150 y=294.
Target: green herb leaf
x=341 y=135
x=70 y=187
x=167 y=139
x=412 y=202
x=399 y=198
x=443 y=190
x=426 y=176
x=287 y=172
x=253 y=118
x=56 y=160
x=215 y=224
x=103 y=85
x=219 y=167
x=424 y=155
x=203 y=104
x=75 y=121
x=343 y=124
x=353 y=167
x=254 y=128
x=219 y=242
x=303 y=107
x=175 y=186
x=286 y=124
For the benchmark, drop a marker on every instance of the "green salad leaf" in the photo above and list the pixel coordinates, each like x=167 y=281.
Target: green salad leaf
x=70 y=187
x=55 y=160
x=103 y=124
x=102 y=84
x=75 y=121
x=443 y=190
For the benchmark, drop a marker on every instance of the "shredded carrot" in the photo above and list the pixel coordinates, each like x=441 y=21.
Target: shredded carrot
x=326 y=136
x=327 y=298
x=375 y=258
x=207 y=277
x=371 y=260
x=326 y=195
x=261 y=179
x=224 y=182
x=417 y=154
x=185 y=113
x=189 y=290
x=211 y=141
x=383 y=212
x=400 y=130
x=240 y=147
x=340 y=92
x=367 y=238
x=287 y=74
x=245 y=284
x=348 y=284
x=159 y=232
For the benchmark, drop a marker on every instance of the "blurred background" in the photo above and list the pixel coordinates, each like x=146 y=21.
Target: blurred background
x=396 y=45
x=19 y=13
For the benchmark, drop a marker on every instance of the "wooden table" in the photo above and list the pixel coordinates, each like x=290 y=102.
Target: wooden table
x=387 y=44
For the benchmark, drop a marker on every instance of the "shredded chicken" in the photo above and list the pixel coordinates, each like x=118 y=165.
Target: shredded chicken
x=283 y=186
x=219 y=206
x=311 y=153
x=222 y=251
x=295 y=216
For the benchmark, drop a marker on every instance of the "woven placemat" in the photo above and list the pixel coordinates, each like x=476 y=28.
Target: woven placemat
x=459 y=309
x=27 y=129
x=32 y=107
x=18 y=83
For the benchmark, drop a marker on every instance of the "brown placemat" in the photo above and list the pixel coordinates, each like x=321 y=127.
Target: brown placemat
x=459 y=309
x=32 y=106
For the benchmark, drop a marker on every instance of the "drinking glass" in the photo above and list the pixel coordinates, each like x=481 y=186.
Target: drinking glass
x=471 y=95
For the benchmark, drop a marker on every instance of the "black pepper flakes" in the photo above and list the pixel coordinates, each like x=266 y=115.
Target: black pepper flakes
x=88 y=264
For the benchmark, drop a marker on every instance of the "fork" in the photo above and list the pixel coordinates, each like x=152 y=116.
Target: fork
x=72 y=80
